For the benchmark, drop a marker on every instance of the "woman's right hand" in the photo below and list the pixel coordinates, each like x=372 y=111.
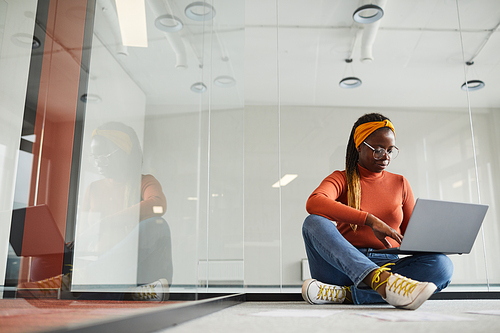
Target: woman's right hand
x=382 y=230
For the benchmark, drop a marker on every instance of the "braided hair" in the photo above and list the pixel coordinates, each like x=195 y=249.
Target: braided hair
x=351 y=163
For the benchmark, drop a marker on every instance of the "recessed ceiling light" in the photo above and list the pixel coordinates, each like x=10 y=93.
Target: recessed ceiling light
x=225 y=81
x=473 y=85
x=200 y=11
x=368 y=14
x=199 y=87
x=168 y=23
x=132 y=22
x=350 y=82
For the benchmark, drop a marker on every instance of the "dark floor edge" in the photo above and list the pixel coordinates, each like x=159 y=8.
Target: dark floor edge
x=465 y=295
x=157 y=318
x=294 y=297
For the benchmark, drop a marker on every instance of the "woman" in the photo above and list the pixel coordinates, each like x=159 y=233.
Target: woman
x=371 y=209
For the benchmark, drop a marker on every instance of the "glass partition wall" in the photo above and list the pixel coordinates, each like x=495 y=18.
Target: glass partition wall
x=182 y=92
x=411 y=65
x=152 y=146
x=134 y=167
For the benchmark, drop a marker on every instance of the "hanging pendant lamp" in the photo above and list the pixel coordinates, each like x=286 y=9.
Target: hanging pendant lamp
x=472 y=85
x=349 y=82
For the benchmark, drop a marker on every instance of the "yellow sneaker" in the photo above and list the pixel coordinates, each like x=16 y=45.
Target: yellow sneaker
x=47 y=288
x=154 y=291
x=315 y=292
x=402 y=292
x=405 y=293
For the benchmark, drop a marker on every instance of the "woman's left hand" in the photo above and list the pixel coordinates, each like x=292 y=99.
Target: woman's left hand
x=382 y=230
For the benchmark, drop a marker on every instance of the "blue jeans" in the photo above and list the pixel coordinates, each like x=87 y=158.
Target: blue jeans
x=155 y=251
x=333 y=260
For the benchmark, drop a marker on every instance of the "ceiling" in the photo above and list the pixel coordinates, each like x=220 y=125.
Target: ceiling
x=294 y=51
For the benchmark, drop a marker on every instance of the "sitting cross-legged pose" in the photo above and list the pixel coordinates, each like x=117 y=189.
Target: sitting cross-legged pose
x=359 y=209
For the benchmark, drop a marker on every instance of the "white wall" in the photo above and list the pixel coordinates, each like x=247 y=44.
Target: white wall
x=436 y=157
x=176 y=152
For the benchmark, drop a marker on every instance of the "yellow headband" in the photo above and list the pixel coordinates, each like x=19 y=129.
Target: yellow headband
x=122 y=140
x=364 y=130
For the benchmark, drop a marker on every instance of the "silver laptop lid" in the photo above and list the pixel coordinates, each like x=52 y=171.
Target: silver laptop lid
x=443 y=226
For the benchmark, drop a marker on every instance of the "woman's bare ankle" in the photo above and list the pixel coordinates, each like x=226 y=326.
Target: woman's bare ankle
x=378 y=284
x=384 y=276
x=348 y=296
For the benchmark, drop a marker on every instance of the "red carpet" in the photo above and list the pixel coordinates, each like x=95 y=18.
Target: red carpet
x=33 y=315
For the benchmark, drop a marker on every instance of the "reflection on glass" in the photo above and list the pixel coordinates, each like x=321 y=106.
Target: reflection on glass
x=122 y=239
x=121 y=236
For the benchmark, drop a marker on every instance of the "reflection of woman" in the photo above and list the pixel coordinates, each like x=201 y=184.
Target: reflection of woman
x=122 y=208
x=124 y=198
x=124 y=192
x=371 y=208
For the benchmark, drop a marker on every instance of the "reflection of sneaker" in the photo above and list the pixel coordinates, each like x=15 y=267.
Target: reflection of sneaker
x=316 y=292
x=47 y=288
x=405 y=293
x=155 y=291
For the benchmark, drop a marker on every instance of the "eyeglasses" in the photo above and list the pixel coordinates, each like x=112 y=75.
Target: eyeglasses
x=380 y=153
x=101 y=160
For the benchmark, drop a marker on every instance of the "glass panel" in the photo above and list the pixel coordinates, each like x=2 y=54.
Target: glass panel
x=224 y=56
x=479 y=23
x=189 y=128
x=17 y=19
x=411 y=77
x=43 y=183
x=142 y=221
x=263 y=252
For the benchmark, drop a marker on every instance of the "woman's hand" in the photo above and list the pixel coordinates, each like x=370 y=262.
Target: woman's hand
x=382 y=230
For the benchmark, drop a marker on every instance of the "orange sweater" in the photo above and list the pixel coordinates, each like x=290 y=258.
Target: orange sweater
x=386 y=195
x=107 y=197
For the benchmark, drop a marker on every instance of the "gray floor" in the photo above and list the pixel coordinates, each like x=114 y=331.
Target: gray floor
x=452 y=316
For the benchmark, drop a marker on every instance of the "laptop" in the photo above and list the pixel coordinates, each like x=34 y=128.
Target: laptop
x=441 y=226
x=34 y=232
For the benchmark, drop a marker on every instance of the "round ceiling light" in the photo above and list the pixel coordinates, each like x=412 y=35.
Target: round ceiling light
x=225 y=81
x=350 y=82
x=199 y=87
x=368 y=14
x=168 y=23
x=200 y=11
x=473 y=85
